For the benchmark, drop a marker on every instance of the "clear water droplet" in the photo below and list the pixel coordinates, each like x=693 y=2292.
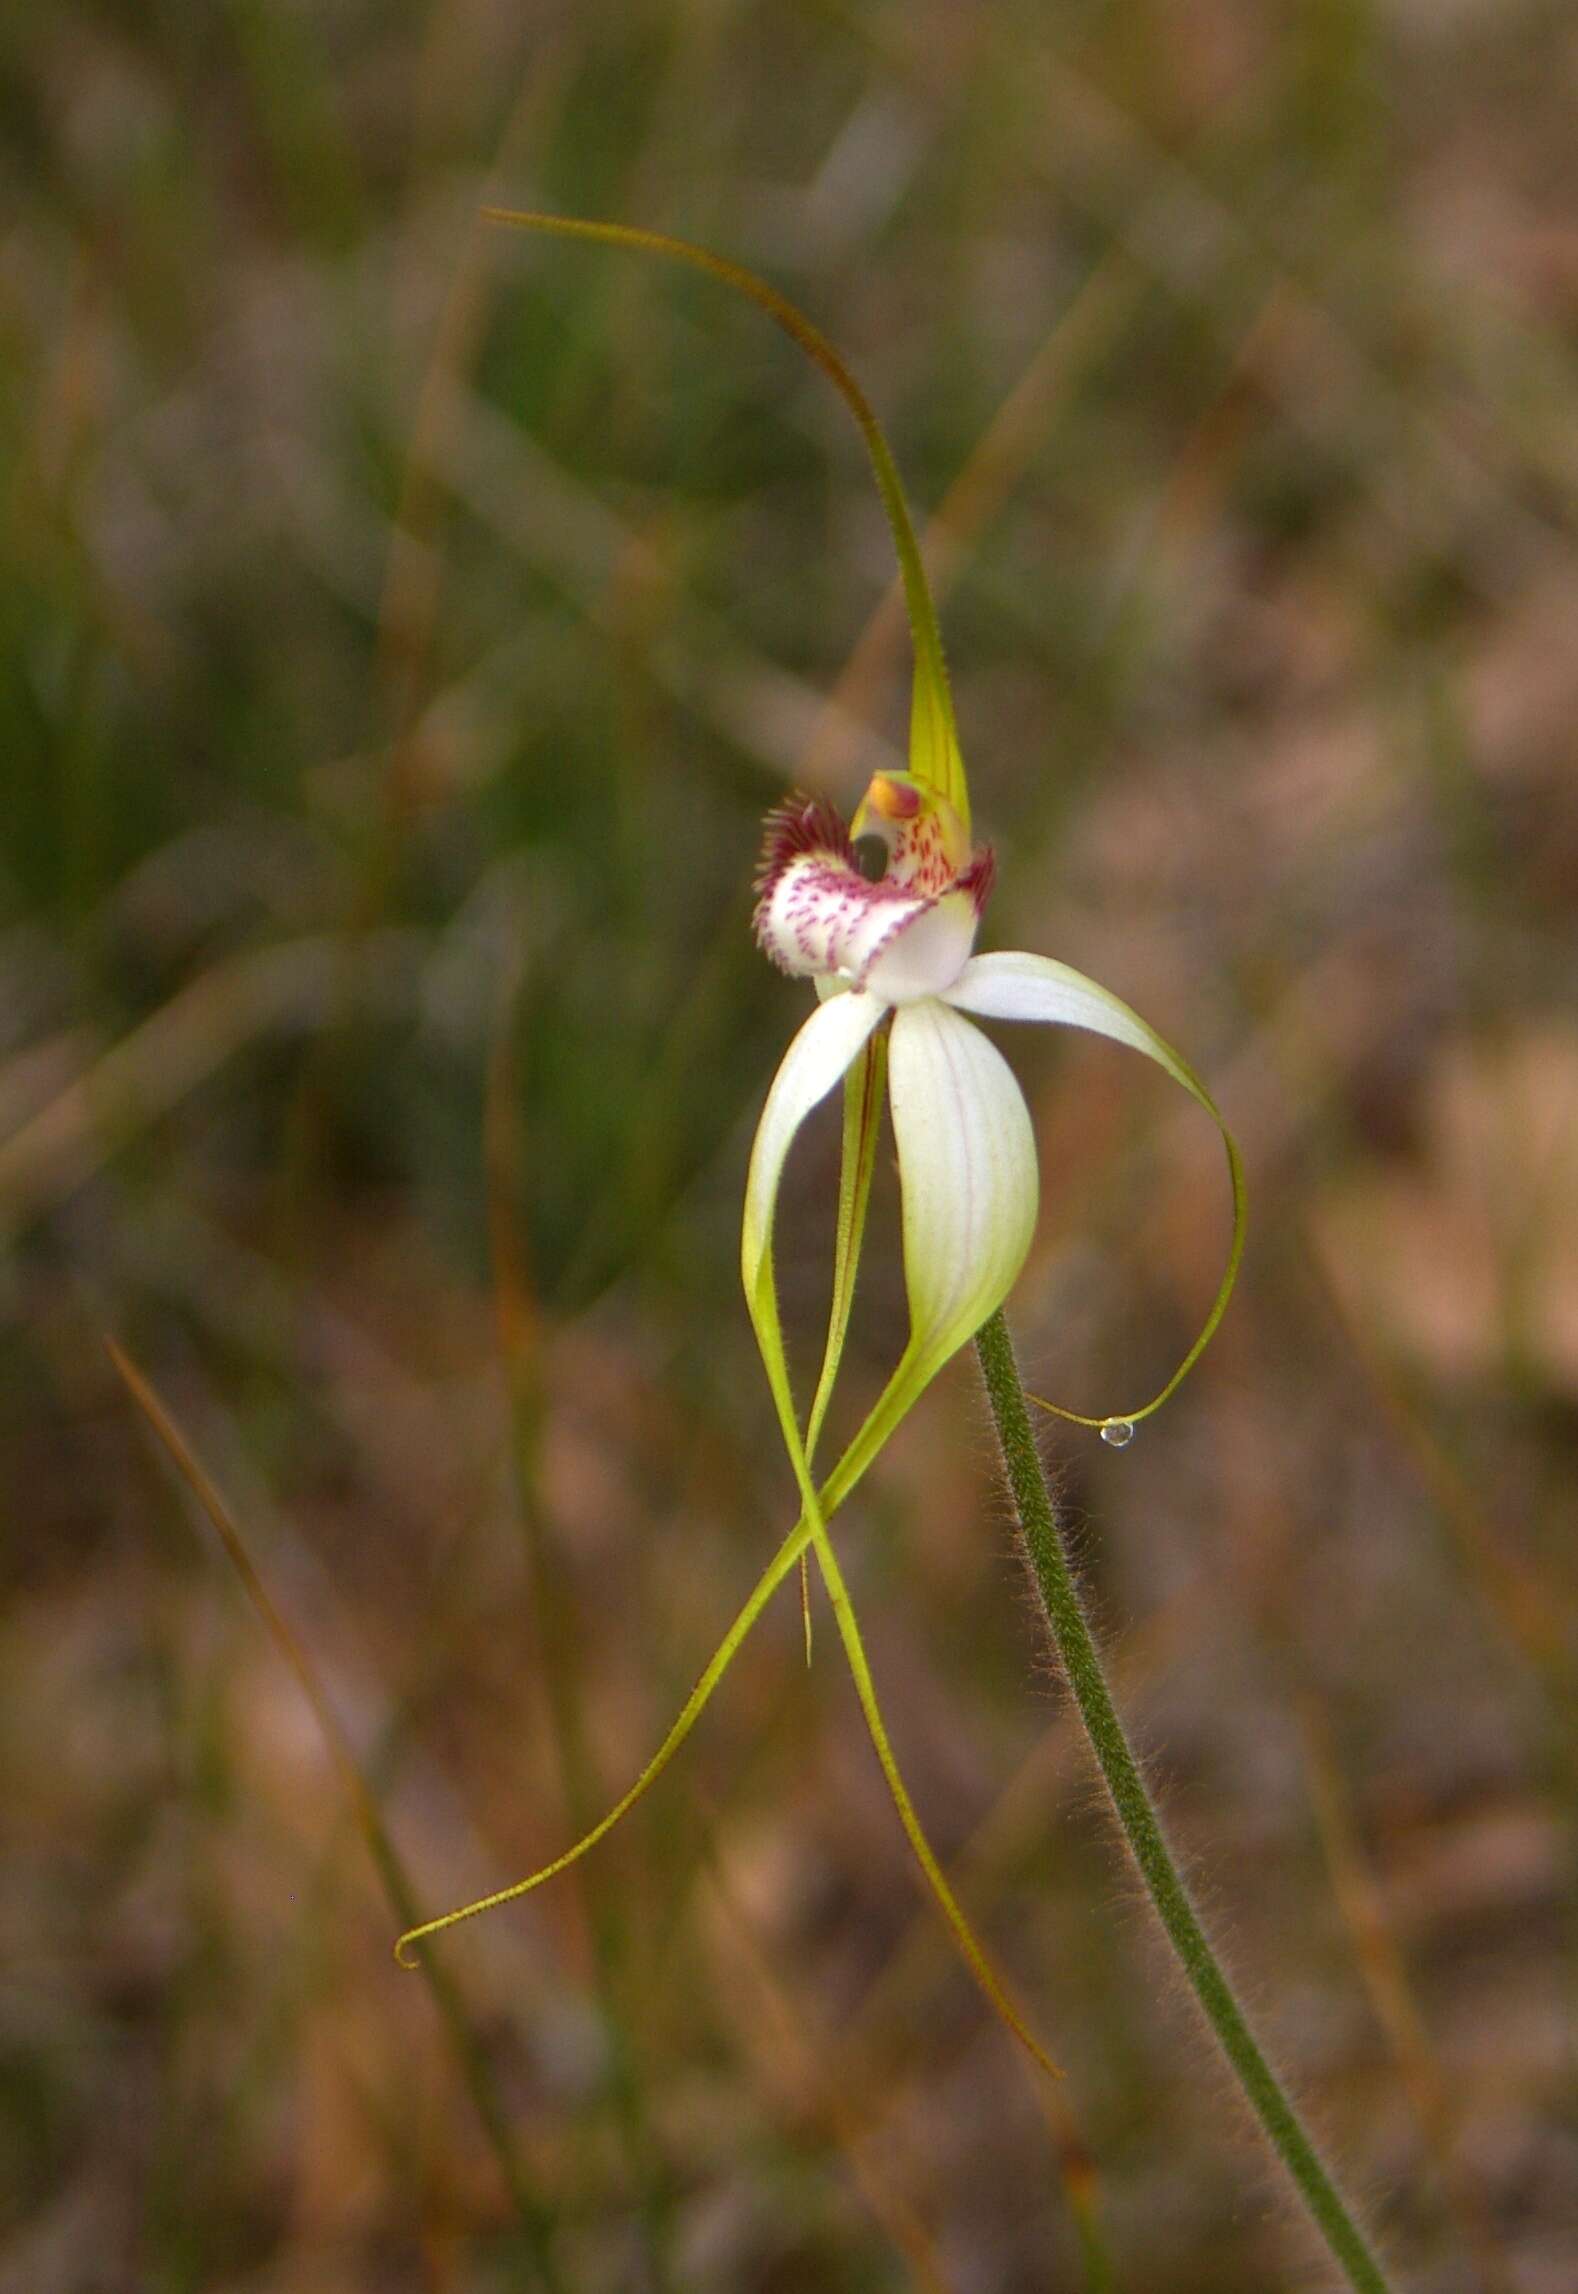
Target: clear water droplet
x=1118 y=1433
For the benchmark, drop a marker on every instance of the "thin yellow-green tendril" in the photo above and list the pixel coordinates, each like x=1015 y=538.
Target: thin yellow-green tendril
x=934 y=740
x=862 y=1118
x=873 y=1435
x=920 y=1847
x=970 y=1947
x=1181 y=1072
x=695 y=1704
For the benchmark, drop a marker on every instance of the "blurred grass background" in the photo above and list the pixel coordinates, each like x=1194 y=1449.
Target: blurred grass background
x=402 y=630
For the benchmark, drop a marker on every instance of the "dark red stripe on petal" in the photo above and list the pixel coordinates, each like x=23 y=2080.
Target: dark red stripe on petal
x=979 y=878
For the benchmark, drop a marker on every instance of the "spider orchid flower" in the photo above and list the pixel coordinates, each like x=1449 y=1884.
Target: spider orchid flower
x=899 y=950
x=900 y=985
x=897 y=955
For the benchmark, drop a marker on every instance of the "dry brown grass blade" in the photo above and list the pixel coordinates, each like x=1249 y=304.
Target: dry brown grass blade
x=1381 y=1964
x=790 y=2059
x=1533 y=1615
x=530 y=2210
x=228 y=1532
x=169 y=1054
x=516 y=1313
x=413 y=577
x=1329 y=384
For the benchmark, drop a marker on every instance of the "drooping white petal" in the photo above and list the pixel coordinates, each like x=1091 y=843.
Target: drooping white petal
x=967 y=1166
x=818 y=1057
x=1016 y=986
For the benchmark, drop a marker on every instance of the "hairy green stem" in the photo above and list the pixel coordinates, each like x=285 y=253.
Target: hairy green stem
x=1048 y=1564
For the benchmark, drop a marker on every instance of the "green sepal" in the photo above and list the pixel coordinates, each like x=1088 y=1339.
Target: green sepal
x=934 y=740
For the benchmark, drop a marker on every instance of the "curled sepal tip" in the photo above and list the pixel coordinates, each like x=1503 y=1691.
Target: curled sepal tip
x=1016 y=986
x=694 y=1706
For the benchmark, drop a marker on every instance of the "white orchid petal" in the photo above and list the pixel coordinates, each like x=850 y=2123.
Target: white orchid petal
x=818 y=1058
x=926 y=953
x=1017 y=986
x=967 y=1165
